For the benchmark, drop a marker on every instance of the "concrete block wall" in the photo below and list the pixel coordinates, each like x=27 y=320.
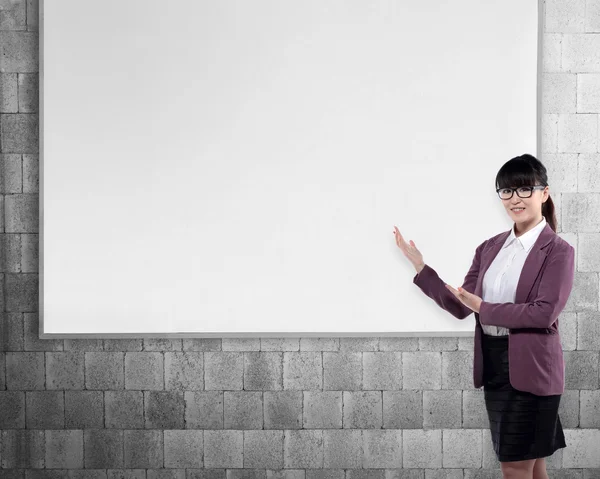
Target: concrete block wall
x=297 y=408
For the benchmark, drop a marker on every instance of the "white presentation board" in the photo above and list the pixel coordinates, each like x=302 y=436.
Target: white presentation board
x=236 y=168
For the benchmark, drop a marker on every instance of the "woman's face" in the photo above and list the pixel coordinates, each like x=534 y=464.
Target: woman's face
x=532 y=206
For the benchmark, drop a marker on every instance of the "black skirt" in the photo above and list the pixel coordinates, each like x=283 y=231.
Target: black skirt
x=523 y=425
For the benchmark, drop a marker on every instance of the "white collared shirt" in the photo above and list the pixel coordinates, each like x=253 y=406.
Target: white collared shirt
x=501 y=278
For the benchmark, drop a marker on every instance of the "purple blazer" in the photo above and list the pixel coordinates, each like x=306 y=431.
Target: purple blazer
x=535 y=354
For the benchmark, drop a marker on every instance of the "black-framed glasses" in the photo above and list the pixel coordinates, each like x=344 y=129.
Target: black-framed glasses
x=522 y=191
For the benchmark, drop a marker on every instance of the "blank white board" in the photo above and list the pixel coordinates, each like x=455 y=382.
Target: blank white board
x=236 y=168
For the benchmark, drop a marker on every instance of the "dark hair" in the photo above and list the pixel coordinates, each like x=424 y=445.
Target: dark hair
x=527 y=170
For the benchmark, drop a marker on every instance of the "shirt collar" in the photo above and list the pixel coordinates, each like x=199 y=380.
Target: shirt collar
x=526 y=239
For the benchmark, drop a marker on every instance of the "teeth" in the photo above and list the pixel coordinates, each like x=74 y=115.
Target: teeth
x=518 y=209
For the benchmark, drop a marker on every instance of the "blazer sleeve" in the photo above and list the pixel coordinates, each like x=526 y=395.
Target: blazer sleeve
x=432 y=285
x=555 y=287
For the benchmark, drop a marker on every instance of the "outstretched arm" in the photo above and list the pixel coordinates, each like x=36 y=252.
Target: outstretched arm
x=434 y=287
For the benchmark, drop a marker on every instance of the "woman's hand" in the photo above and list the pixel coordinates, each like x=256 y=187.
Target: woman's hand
x=410 y=251
x=468 y=299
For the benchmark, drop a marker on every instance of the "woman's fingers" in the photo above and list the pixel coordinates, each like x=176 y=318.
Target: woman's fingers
x=403 y=244
x=400 y=240
x=409 y=250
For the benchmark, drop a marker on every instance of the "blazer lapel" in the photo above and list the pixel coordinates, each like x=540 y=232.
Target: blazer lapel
x=533 y=263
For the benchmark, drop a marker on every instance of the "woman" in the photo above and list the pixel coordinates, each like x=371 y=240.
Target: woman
x=518 y=284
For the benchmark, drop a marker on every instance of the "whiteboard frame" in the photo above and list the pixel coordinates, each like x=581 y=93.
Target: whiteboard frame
x=43 y=335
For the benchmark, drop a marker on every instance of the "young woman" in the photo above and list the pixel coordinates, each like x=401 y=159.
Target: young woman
x=518 y=284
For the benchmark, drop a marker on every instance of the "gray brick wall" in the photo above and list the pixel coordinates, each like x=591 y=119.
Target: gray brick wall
x=298 y=408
